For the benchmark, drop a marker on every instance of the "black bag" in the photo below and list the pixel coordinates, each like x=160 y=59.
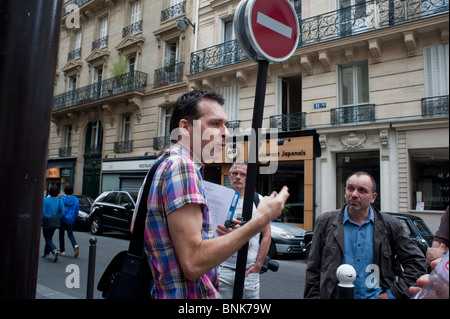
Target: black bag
x=128 y=275
x=51 y=222
x=54 y=221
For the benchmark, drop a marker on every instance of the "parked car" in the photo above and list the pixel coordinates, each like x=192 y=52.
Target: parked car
x=82 y=222
x=286 y=239
x=112 y=210
x=417 y=230
x=414 y=226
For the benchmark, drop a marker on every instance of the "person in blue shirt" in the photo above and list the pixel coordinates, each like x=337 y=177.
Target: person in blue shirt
x=369 y=240
x=72 y=207
x=51 y=207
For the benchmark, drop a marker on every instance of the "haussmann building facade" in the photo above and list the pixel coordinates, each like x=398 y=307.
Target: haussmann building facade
x=367 y=89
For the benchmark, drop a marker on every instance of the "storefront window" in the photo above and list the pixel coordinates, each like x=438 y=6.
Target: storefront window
x=430 y=179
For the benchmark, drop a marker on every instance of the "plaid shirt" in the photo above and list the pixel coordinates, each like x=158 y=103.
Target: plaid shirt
x=177 y=182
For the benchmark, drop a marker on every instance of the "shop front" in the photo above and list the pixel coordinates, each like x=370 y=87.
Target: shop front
x=125 y=173
x=59 y=172
x=285 y=158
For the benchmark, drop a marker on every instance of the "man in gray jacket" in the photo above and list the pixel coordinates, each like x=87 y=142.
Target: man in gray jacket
x=369 y=240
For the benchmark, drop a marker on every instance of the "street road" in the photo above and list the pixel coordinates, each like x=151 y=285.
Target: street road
x=67 y=278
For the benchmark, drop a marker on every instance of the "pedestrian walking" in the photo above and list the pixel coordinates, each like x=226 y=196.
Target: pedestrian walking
x=71 y=208
x=52 y=211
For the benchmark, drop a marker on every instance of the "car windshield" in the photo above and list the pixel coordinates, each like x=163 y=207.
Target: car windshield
x=134 y=195
x=423 y=228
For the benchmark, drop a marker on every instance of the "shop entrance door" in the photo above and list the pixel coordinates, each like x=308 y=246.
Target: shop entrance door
x=291 y=175
x=348 y=163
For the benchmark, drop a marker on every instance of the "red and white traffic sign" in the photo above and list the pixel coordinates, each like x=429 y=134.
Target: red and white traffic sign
x=270 y=27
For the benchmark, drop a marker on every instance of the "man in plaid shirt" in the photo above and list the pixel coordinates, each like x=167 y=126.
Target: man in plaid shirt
x=180 y=247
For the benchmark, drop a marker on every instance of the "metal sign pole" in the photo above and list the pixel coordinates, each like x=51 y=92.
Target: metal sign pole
x=252 y=172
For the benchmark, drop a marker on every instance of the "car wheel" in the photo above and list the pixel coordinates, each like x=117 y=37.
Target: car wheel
x=272 y=250
x=96 y=226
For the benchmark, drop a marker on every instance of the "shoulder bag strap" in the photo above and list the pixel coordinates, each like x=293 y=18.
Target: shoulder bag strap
x=137 y=237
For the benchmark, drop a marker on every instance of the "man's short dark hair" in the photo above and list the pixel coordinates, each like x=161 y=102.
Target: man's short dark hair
x=359 y=173
x=53 y=191
x=186 y=107
x=68 y=189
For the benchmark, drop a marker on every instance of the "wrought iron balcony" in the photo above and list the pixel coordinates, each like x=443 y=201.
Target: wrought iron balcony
x=132 y=29
x=353 y=114
x=75 y=54
x=217 y=56
x=161 y=142
x=123 y=147
x=168 y=75
x=123 y=83
x=366 y=17
x=232 y=125
x=288 y=122
x=68 y=5
x=100 y=43
x=435 y=107
x=65 y=151
x=173 y=11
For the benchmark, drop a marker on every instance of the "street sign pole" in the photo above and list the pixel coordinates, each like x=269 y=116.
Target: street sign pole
x=252 y=172
x=267 y=31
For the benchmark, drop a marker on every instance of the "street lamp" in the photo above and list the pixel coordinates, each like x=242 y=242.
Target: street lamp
x=182 y=24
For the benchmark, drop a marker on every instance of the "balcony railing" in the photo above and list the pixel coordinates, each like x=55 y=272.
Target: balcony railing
x=353 y=114
x=366 y=17
x=122 y=83
x=168 y=75
x=73 y=55
x=132 y=29
x=123 y=147
x=288 y=122
x=357 y=19
x=217 y=56
x=100 y=43
x=69 y=5
x=161 y=142
x=65 y=151
x=435 y=106
x=173 y=11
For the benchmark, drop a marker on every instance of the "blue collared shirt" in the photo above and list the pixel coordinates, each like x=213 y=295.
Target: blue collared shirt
x=358 y=252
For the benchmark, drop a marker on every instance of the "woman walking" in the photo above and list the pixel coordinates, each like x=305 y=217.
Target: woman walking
x=52 y=211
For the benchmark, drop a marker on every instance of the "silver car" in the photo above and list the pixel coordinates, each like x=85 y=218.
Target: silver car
x=286 y=239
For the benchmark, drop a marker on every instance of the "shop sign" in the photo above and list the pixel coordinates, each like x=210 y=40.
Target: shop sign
x=281 y=149
x=53 y=173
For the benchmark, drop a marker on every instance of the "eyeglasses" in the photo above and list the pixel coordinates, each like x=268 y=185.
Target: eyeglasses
x=235 y=174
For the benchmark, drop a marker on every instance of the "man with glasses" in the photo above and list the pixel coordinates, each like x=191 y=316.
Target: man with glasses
x=257 y=249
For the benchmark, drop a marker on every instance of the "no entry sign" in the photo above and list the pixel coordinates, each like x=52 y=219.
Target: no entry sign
x=267 y=29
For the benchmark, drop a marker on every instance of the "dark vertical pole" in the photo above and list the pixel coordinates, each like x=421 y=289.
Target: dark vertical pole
x=29 y=36
x=252 y=172
x=91 y=268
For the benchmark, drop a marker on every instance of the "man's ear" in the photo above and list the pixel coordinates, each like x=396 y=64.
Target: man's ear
x=183 y=127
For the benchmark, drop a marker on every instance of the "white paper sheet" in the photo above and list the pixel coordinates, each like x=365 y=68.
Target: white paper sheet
x=222 y=203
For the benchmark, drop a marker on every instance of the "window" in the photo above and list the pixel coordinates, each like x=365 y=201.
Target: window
x=126 y=128
x=136 y=9
x=436 y=66
x=164 y=124
x=353 y=84
x=352 y=16
x=231 y=95
x=103 y=33
x=67 y=136
x=430 y=178
x=170 y=53
x=131 y=64
x=97 y=81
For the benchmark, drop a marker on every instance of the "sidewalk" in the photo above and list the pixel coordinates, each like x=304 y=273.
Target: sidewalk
x=43 y=292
